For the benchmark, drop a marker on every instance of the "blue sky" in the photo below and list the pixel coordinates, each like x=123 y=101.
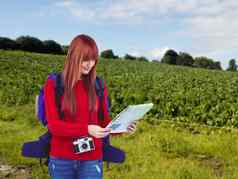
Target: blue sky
x=142 y=28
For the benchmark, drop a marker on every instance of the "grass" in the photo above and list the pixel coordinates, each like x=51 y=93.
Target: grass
x=158 y=149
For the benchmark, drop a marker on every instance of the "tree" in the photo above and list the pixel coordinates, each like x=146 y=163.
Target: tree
x=50 y=46
x=31 y=44
x=217 y=65
x=155 y=61
x=184 y=59
x=65 y=49
x=142 y=59
x=232 y=65
x=204 y=62
x=129 y=57
x=170 y=57
x=8 y=44
x=108 y=54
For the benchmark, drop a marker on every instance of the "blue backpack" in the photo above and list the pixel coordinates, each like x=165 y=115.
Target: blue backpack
x=41 y=147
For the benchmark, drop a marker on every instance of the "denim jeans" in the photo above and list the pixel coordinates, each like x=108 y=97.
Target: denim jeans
x=75 y=169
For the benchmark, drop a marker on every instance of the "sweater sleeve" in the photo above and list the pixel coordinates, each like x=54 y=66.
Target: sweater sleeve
x=57 y=126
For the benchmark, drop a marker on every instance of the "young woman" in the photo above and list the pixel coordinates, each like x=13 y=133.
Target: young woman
x=69 y=159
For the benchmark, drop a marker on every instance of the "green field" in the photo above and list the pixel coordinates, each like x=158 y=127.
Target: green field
x=190 y=133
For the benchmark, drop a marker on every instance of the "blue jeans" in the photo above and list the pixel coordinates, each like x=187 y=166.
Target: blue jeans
x=75 y=169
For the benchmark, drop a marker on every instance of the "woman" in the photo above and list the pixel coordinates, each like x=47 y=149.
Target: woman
x=69 y=159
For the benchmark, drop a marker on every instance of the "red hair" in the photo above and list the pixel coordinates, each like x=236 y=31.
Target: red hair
x=82 y=48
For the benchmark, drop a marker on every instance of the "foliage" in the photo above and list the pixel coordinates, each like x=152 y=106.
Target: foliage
x=8 y=44
x=184 y=59
x=204 y=62
x=232 y=65
x=178 y=93
x=108 y=54
x=170 y=57
x=32 y=44
x=129 y=57
x=51 y=46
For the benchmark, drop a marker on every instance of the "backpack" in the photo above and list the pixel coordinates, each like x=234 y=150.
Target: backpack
x=41 y=147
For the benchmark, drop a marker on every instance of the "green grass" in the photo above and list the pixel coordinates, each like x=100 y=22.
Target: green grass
x=158 y=149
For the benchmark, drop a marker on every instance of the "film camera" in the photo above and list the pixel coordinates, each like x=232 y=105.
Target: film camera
x=83 y=144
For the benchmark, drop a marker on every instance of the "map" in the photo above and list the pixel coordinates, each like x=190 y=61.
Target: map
x=130 y=114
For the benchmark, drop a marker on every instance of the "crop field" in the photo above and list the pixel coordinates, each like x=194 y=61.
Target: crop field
x=191 y=132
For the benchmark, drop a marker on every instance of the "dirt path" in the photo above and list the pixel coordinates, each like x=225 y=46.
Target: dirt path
x=18 y=172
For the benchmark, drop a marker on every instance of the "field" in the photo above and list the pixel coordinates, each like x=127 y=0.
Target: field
x=190 y=133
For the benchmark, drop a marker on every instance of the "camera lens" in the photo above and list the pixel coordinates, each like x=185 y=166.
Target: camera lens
x=84 y=146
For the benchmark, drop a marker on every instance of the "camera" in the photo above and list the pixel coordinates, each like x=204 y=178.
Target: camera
x=83 y=144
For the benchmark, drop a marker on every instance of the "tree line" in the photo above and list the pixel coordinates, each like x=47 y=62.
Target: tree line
x=185 y=59
x=33 y=44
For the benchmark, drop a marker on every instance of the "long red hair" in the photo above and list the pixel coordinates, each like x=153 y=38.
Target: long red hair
x=82 y=48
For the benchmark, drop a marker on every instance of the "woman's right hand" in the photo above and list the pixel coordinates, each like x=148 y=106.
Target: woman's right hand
x=97 y=131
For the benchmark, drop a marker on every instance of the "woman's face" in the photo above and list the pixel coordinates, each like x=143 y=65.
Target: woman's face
x=87 y=66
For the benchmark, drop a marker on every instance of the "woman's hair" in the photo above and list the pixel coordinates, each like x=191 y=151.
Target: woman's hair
x=82 y=48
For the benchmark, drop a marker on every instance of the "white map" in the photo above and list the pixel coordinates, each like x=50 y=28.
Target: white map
x=127 y=116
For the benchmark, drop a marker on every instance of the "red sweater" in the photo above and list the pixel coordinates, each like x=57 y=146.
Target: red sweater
x=63 y=131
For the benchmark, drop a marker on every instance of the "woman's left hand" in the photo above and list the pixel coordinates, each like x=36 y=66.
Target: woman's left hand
x=131 y=128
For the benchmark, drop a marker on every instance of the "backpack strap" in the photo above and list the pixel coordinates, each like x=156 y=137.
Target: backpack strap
x=100 y=93
x=59 y=91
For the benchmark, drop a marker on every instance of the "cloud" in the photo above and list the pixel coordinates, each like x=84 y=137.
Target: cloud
x=64 y=3
x=209 y=25
x=135 y=53
x=99 y=11
x=158 y=53
x=213 y=30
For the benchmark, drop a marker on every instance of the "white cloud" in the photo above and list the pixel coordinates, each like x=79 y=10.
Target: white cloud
x=158 y=53
x=213 y=29
x=66 y=3
x=210 y=25
x=135 y=53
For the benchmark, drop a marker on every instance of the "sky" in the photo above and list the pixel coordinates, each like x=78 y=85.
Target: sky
x=137 y=27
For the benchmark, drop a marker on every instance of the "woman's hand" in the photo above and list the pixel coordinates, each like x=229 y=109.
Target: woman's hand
x=131 y=128
x=97 y=131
